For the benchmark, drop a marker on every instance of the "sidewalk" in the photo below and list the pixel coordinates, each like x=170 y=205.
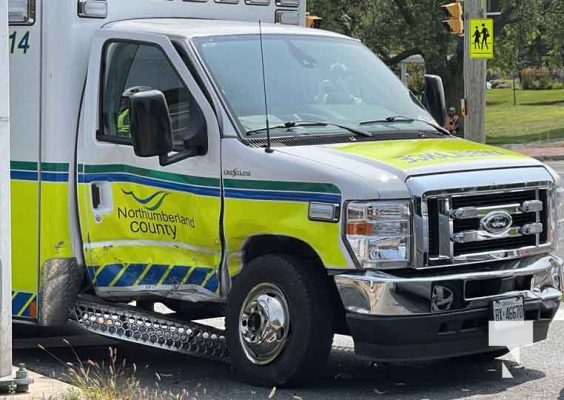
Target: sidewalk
x=42 y=388
x=548 y=151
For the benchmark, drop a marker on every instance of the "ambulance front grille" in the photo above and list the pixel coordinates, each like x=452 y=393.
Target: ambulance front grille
x=458 y=230
x=127 y=323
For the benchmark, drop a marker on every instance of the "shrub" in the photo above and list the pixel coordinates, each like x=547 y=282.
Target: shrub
x=536 y=78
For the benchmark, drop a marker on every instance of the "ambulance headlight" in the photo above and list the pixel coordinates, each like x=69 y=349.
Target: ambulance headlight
x=379 y=233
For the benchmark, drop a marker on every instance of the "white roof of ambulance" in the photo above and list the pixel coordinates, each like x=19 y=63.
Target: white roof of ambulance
x=188 y=28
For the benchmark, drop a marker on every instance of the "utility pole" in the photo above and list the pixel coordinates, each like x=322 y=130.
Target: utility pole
x=5 y=234
x=474 y=78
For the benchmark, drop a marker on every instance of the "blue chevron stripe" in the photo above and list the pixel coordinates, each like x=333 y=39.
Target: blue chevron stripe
x=156 y=272
x=176 y=275
x=91 y=271
x=19 y=301
x=198 y=276
x=212 y=284
x=151 y=275
x=131 y=274
x=108 y=274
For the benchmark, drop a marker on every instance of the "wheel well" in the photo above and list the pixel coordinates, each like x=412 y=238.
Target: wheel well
x=277 y=244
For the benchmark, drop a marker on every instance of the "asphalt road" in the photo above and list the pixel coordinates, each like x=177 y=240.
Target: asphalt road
x=558 y=167
x=539 y=375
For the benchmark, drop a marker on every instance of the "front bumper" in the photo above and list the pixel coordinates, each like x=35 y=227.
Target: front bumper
x=415 y=315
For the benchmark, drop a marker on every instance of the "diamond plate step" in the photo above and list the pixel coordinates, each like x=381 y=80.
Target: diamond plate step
x=130 y=324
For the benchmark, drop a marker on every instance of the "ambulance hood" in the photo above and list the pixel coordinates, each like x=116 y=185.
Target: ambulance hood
x=386 y=165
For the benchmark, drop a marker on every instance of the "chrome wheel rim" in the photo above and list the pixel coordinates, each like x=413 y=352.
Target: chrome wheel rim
x=264 y=323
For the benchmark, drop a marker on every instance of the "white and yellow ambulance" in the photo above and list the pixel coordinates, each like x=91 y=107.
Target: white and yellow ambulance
x=176 y=151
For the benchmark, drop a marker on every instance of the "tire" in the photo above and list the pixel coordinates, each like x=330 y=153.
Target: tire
x=281 y=285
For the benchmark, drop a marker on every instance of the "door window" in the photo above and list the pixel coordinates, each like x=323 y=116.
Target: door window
x=21 y=12
x=129 y=67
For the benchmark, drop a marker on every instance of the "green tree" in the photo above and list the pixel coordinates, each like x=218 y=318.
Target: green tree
x=396 y=29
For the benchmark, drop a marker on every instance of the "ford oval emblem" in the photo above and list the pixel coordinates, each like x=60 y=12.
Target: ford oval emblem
x=497 y=222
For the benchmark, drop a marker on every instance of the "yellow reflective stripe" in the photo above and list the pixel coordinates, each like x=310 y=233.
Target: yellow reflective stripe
x=165 y=275
x=142 y=275
x=185 y=279
x=118 y=275
x=208 y=277
x=98 y=270
x=14 y=294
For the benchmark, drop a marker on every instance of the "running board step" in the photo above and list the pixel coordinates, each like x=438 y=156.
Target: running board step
x=130 y=324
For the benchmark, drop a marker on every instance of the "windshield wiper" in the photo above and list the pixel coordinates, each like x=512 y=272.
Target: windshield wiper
x=400 y=118
x=294 y=124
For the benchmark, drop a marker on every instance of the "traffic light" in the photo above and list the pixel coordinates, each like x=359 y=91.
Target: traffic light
x=454 y=22
x=312 y=21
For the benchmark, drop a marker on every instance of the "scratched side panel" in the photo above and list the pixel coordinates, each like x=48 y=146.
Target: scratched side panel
x=152 y=234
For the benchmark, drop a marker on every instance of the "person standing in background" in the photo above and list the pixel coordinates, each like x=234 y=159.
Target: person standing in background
x=452 y=122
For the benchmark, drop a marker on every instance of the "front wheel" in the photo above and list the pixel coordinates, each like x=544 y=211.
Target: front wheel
x=279 y=321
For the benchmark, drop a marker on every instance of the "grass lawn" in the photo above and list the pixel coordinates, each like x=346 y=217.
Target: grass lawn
x=538 y=116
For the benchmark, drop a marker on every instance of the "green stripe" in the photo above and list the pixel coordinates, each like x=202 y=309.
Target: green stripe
x=312 y=187
x=54 y=167
x=45 y=166
x=282 y=186
x=23 y=165
x=166 y=176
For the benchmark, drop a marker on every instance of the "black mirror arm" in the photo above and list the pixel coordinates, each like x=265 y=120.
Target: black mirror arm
x=165 y=159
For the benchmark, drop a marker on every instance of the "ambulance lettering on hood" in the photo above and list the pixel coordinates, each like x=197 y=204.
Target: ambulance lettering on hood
x=409 y=154
x=454 y=155
x=147 y=218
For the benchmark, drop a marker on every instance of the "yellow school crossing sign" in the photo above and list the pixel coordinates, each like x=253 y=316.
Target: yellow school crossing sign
x=482 y=38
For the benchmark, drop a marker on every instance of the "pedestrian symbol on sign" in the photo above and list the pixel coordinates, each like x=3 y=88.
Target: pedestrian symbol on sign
x=482 y=44
x=485 y=36
x=477 y=35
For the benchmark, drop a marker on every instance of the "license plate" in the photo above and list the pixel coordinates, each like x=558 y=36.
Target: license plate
x=510 y=309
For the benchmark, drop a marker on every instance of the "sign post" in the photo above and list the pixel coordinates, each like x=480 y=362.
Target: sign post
x=478 y=45
x=5 y=234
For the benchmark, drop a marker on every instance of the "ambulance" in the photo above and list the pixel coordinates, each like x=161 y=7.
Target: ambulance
x=223 y=159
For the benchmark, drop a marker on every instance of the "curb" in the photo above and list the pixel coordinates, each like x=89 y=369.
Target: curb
x=537 y=152
x=556 y=157
x=42 y=388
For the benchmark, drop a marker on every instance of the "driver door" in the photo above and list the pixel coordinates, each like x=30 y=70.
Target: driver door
x=146 y=230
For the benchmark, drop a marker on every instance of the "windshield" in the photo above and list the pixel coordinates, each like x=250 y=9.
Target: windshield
x=308 y=78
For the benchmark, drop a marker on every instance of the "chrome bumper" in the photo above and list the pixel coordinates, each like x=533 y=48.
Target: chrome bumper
x=416 y=292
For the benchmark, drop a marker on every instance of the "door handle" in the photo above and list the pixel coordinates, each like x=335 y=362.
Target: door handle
x=95 y=195
x=101 y=197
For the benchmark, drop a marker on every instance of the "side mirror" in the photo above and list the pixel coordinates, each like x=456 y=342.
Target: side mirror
x=150 y=125
x=434 y=98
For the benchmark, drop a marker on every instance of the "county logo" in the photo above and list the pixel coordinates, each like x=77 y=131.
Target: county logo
x=150 y=203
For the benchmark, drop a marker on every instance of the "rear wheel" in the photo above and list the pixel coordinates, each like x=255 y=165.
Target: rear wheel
x=279 y=321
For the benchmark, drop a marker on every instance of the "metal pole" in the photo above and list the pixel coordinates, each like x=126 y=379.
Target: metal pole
x=514 y=73
x=5 y=233
x=403 y=72
x=474 y=78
